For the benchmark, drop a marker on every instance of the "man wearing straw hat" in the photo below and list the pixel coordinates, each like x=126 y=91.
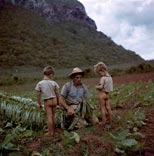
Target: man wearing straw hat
x=74 y=96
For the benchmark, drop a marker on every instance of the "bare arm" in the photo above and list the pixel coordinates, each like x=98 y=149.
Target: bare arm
x=39 y=99
x=69 y=109
x=99 y=87
x=57 y=95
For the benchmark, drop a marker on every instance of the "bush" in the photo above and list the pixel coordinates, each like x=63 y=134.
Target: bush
x=89 y=72
x=141 y=68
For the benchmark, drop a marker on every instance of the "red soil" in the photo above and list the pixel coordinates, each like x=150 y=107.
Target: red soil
x=124 y=79
x=134 y=78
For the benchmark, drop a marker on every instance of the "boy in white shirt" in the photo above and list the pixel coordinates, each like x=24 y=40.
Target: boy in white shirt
x=104 y=87
x=48 y=91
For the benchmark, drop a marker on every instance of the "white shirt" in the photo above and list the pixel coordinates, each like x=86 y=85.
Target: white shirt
x=47 y=88
x=107 y=83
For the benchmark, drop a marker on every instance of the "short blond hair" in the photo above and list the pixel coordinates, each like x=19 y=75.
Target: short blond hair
x=48 y=70
x=100 y=66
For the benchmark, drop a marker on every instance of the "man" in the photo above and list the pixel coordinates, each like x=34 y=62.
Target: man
x=74 y=97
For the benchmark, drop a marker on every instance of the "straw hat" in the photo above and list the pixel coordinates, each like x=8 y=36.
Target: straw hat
x=75 y=71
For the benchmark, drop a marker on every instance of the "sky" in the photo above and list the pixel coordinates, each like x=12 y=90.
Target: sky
x=129 y=23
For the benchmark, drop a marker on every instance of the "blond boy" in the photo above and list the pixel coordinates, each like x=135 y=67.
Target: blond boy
x=104 y=87
x=48 y=91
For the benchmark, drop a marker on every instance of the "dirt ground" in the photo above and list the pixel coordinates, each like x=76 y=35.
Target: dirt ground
x=147 y=130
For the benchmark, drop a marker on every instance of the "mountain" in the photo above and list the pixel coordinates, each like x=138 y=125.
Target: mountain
x=55 y=32
x=57 y=10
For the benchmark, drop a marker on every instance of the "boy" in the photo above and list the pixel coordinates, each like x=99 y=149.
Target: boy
x=104 y=87
x=48 y=90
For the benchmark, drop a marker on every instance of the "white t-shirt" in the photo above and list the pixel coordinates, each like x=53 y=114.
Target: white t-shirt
x=107 y=83
x=47 y=87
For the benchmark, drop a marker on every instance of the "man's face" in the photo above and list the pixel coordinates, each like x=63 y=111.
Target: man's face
x=77 y=79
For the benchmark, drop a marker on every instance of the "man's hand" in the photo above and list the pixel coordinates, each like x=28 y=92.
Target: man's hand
x=70 y=111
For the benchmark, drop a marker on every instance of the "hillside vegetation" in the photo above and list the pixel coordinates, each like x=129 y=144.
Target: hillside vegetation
x=28 y=39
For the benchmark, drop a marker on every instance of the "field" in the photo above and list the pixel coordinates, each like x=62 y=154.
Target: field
x=130 y=135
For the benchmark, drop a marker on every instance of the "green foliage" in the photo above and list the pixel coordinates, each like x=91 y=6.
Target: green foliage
x=12 y=137
x=123 y=142
x=89 y=72
x=124 y=136
x=36 y=42
x=141 y=68
x=117 y=72
x=69 y=138
x=21 y=110
x=133 y=94
x=135 y=119
x=11 y=80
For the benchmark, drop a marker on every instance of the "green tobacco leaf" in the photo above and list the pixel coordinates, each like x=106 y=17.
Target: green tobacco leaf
x=28 y=133
x=117 y=150
x=122 y=135
x=9 y=124
x=9 y=146
x=15 y=154
x=1 y=130
x=7 y=139
x=83 y=112
x=76 y=137
x=112 y=136
x=129 y=142
x=138 y=134
x=68 y=139
x=35 y=153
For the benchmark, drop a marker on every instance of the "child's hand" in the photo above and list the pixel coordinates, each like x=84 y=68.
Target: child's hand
x=98 y=107
x=97 y=87
x=39 y=106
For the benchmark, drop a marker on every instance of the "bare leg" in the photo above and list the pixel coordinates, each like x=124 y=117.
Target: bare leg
x=108 y=107
x=50 y=123
x=102 y=109
x=50 y=112
x=53 y=121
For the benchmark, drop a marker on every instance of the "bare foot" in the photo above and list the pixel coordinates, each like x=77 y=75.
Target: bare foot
x=50 y=134
x=101 y=124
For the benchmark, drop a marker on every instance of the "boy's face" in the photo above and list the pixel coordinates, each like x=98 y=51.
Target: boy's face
x=101 y=73
x=51 y=76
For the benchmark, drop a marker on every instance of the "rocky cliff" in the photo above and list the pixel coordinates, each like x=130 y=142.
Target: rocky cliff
x=57 y=10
